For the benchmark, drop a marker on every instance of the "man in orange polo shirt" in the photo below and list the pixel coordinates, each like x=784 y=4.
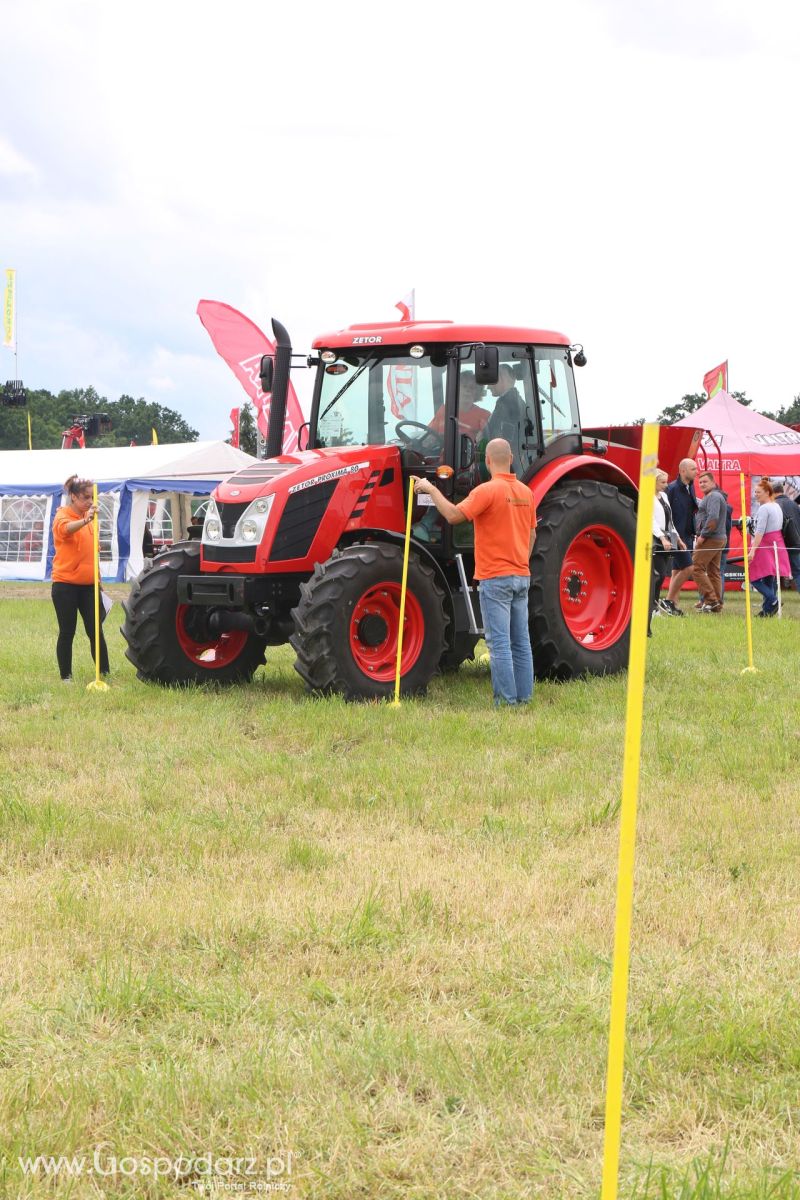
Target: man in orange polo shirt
x=504 y=515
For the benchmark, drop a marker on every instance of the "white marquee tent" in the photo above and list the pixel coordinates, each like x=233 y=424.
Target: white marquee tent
x=137 y=486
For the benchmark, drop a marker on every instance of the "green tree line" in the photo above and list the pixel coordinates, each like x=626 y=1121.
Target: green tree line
x=131 y=420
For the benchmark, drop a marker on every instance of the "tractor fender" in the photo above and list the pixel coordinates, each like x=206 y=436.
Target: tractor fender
x=398 y=539
x=579 y=466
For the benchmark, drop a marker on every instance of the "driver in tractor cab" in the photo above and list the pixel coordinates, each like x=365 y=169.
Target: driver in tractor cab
x=472 y=419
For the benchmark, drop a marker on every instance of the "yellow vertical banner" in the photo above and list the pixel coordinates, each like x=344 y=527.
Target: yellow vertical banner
x=748 y=613
x=9 y=307
x=403 y=588
x=97 y=684
x=637 y=660
x=155 y=436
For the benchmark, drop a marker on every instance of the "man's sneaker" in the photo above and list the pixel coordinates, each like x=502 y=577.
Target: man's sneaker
x=711 y=608
x=671 y=608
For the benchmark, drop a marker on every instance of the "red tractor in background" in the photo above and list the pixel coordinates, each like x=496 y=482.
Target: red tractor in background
x=308 y=547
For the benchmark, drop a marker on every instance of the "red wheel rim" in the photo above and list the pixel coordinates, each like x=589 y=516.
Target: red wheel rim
x=212 y=654
x=596 y=586
x=373 y=632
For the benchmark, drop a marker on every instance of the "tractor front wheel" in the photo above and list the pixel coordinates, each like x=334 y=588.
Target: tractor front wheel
x=171 y=643
x=348 y=620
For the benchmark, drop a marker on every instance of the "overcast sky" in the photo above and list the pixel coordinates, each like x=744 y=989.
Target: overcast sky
x=620 y=170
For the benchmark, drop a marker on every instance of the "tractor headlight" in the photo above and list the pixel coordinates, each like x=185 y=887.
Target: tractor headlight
x=253 y=521
x=213 y=529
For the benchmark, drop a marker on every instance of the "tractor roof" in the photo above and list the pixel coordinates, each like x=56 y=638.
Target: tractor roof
x=403 y=333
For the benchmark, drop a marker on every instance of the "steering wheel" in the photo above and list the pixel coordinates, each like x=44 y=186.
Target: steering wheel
x=419 y=442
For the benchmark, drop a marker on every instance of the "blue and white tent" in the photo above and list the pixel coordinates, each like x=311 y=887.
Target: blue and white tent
x=137 y=486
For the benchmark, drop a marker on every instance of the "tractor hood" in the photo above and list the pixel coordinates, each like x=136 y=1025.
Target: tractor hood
x=295 y=508
x=292 y=472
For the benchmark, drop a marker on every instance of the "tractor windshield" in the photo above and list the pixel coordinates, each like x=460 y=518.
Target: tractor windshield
x=363 y=399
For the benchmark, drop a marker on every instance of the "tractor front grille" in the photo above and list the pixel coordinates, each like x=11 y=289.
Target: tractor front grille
x=300 y=521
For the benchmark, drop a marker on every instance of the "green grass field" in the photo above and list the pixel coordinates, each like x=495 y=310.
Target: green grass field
x=254 y=924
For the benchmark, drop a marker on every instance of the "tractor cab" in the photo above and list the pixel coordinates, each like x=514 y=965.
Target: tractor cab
x=439 y=392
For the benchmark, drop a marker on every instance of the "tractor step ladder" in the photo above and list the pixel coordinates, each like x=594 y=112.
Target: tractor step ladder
x=474 y=628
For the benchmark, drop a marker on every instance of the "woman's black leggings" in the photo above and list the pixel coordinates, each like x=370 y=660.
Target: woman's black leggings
x=69 y=599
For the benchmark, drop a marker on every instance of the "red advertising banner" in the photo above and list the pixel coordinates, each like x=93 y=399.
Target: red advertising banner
x=241 y=344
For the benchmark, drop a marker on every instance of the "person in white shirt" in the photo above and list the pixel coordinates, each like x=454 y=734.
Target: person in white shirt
x=665 y=540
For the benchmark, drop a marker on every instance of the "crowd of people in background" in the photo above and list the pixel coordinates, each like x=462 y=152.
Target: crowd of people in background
x=691 y=541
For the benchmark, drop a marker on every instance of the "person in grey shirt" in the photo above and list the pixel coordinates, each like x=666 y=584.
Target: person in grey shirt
x=767 y=551
x=710 y=519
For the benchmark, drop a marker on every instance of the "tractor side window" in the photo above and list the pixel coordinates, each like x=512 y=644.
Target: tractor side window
x=556 y=389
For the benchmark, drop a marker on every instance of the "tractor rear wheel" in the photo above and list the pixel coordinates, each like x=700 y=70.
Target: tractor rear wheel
x=348 y=619
x=582 y=580
x=171 y=643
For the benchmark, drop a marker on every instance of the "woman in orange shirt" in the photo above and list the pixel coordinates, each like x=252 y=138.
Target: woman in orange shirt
x=73 y=574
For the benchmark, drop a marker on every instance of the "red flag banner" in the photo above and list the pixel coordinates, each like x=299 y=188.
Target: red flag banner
x=716 y=380
x=235 y=424
x=241 y=344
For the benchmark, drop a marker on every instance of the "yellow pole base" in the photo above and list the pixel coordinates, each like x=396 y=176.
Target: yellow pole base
x=750 y=671
x=97 y=685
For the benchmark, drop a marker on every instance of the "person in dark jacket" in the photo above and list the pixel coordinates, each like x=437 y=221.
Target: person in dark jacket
x=791 y=530
x=508 y=420
x=723 y=562
x=683 y=504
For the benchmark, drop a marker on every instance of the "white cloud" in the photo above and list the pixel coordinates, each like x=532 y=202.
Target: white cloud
x=12 y=162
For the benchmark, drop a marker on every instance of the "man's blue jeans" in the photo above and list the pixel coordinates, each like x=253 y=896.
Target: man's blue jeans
x=794 y=563
x=504 y=605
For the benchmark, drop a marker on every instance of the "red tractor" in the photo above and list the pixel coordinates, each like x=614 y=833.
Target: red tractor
x=308 y=547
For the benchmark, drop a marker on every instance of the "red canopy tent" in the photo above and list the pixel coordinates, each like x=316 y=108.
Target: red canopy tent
x=744 y=440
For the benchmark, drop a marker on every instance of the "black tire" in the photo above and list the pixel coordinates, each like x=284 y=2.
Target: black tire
x=558 y=651
x=332 y=645
x=463 y=650
x=151 y=629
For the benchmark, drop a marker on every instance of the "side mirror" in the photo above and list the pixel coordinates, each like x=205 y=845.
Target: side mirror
x=487 y=364
x=305 y=426
x=466 y=453
x=266 y=372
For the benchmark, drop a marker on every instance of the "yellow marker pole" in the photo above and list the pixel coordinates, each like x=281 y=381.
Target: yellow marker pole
x=97 y=684
x=627 y=832
x=749 y=669
x=30 y=439
x=406 y=549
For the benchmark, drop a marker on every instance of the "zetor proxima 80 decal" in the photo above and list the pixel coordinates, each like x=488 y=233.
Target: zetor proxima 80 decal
x=307 y=547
